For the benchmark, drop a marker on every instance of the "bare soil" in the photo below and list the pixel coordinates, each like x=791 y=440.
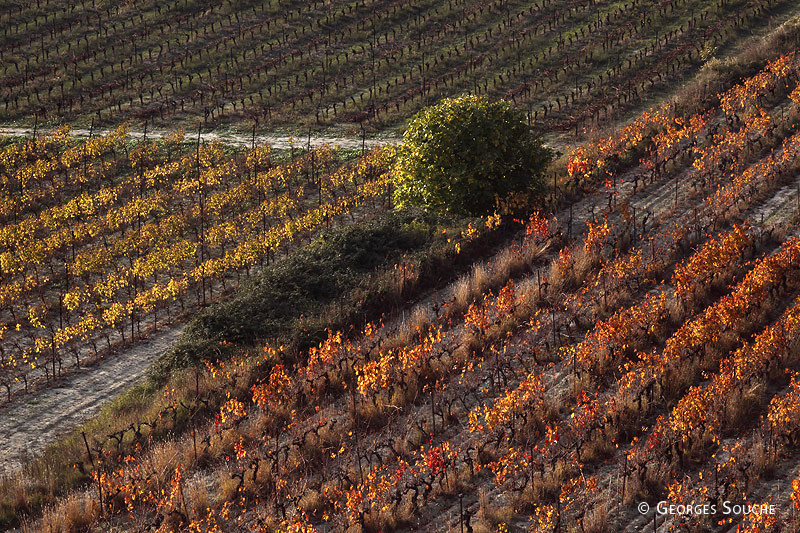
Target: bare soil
x=276 y=141
x=31 y=422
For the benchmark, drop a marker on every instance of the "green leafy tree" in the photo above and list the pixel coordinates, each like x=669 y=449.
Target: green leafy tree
x=464 y=155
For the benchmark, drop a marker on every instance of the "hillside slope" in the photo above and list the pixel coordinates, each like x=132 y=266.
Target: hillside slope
x=639 y=344
x=345 y=64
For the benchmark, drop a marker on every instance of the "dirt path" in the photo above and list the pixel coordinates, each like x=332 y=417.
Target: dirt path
x=276 y=141
x=31 y=422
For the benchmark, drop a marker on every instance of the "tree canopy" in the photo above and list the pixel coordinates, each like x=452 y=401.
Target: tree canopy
x=465 y=154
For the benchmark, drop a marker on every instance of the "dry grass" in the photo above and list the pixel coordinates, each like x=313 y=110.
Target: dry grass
x=198 y=497
x=420 y=320
x=390 y=519
x=490 y=516
x=76 y=512
x=563 y=274
x=468 y=287
x=597 y=450
x=162 y=461
x=17 y=493
x=741 y=411
x=227 y=486
x=264 y=481
x=763 y=460
x=311 y=502
x=372 y=414
x=527 y=297
x=652 y=486
x=596 y=518
x=412 y=327
x=470 y=342
x=585 y=262
x=266 y=421
x=548 y=488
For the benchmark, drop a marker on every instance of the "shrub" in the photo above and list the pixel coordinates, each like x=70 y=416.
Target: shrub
x=465 y=154
x=328 y=284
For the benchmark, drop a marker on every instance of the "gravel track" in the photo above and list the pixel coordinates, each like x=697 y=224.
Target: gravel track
x=31 y=422
x=276 y=141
